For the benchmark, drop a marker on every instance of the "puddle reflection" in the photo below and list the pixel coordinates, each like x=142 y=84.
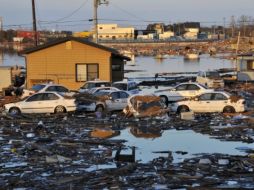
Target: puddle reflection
x=175 y=141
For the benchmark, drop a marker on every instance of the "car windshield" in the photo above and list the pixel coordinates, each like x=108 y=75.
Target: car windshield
x=204 y=86
x=38 y=87
x=120 y=86
x=101 y=93
x=213 y=74
x=90 y=85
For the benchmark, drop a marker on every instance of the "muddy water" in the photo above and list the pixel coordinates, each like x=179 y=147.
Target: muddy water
x=173 y=140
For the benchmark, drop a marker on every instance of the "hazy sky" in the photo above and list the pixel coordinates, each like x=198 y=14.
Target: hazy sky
x=74 y=14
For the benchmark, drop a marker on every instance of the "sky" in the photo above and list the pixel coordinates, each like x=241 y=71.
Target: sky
x=75 y=14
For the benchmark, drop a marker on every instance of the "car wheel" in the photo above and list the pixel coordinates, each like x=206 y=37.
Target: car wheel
x=181 y=109
x=60 y=109
x=229 y=109
x=164 y=99
x=14 y=111
x=99 y=108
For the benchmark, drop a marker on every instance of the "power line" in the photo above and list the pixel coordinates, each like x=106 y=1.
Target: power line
x=69 y=15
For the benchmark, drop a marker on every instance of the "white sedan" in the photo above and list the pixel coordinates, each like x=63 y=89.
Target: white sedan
x=38 y=88
x=99 y=89
x=45 y=102
x=211 y=102
x=107 y=100
x=181 y=91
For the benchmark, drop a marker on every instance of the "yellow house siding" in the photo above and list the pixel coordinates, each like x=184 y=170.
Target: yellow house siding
x=58 y=63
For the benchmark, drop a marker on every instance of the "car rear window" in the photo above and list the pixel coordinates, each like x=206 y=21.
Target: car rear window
x=120 y=86
x=38 y=87
x=102 y=84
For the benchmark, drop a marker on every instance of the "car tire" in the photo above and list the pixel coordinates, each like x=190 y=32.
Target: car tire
x=99 y=108
x=164 y=99
x=229 y=109
x=60 y=109
x=14 y=111
x=183 y=108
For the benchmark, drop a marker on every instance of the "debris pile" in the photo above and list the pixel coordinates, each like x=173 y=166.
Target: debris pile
x=145 y=106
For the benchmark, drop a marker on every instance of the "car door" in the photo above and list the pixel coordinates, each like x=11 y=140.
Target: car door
x=219 y=101
x=203 y=103
x=177 y=93
x=50 y=101
x=32 y=104
x=124 y=100
x=118 y=101
x=114 y=102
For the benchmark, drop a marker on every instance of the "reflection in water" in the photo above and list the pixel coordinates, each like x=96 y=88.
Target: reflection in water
x=104 y=133
x=1 y=57
x=191 y=60
x=145 y=132
x=173 y=140
x=159 y=61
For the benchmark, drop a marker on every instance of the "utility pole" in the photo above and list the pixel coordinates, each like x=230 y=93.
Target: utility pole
x=95 y=20
x=1 y=29
x=34 y=24
x=224 y=25
x=96 y=4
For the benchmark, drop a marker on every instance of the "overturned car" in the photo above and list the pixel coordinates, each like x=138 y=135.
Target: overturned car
x=145 y=106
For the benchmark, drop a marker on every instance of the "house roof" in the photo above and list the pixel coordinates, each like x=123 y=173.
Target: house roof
x=80 y=40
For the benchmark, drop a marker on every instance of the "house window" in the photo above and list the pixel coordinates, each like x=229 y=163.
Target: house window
x=81 y=72
x=92 y=72
x=86 y=72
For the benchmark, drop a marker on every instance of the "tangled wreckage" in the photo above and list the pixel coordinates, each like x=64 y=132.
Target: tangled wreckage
x=79 y=150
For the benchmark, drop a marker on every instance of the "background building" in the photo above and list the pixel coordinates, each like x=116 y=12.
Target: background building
x=113 y=32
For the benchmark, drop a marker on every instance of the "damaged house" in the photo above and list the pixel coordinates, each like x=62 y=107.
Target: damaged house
x=71 y=62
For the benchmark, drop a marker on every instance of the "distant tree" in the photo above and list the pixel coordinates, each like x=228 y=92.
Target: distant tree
x=243 y=22
x=10 y=34
x=232 y=25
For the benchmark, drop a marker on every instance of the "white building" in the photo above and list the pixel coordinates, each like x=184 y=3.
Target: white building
x=112 y=32
x=146 y=37
x=191 y=33
x=166 y=35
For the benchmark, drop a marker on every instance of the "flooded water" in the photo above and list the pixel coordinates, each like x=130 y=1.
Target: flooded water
x=148 y=66
x=7 y=59
x=186 y=141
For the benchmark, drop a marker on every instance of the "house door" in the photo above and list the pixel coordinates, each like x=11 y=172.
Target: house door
x=117 y=72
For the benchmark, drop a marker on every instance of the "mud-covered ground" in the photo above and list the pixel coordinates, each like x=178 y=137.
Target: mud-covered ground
x=76 y=151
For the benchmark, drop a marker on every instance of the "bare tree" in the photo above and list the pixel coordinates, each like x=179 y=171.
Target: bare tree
x=232 y=26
